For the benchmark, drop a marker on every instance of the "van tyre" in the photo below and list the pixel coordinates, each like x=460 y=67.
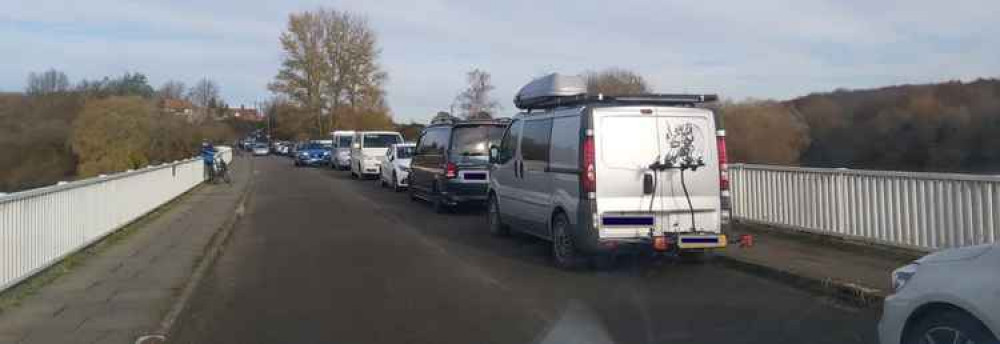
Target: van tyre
x=493 y=218
x=948 y=326
x=564 y=251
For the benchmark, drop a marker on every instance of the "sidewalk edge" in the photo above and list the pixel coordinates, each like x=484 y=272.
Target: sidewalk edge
x=852 y=293
x=212 y=252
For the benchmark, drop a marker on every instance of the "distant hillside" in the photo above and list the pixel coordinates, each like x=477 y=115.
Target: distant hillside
x=951 y=126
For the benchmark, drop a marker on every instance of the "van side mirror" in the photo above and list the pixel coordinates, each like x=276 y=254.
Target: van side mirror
x=494 y=154
x=356 y=146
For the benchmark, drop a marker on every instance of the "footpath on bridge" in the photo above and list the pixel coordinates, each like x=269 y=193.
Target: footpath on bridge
x=127 y=288
x=854 y=271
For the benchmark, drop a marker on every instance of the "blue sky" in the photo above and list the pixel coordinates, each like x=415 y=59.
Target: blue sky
x=737 y=48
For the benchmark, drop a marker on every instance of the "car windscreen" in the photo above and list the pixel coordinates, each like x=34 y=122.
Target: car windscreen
x=344 y=142
x=472 y=143
x=380 y=140
x=405 y=152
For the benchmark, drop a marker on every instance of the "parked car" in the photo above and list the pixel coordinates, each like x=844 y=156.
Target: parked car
x=594 y=174
x=950 y=296
x=395 y=168
x=451 y=163
x=260 y=149
x=368 y=149
x=314 y=153
x=342 y=142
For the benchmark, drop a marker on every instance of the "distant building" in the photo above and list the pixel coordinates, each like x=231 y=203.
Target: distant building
x=177 y=107
x=243 y=113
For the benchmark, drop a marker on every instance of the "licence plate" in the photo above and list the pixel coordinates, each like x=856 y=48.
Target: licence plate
x=690 y=241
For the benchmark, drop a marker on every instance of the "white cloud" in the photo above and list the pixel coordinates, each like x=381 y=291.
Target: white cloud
x=764 y=48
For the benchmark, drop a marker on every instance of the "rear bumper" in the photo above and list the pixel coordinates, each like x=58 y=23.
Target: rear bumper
x=675 y=242
x=459 y=192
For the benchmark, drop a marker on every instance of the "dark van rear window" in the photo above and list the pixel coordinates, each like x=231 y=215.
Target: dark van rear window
x=472 y=143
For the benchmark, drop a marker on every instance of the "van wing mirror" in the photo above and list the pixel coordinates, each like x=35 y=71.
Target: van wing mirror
x=494 y=154
x=356 y=145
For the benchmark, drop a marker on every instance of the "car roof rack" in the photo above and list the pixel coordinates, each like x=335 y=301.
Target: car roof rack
x=554 y=90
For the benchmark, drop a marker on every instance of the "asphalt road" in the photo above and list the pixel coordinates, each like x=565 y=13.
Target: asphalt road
x=322 y=258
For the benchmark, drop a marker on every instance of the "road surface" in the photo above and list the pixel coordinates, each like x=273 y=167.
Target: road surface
x=322 y=258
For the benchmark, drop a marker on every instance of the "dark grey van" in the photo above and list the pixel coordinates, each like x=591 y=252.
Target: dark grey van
x=451 y=163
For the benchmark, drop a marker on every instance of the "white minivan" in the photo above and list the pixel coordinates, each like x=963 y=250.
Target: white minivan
x=368 y=149
x=594 y=174
x=340 y=156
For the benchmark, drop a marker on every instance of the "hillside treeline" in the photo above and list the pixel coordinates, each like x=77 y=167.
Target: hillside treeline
x=947 y=127
x=54 y=132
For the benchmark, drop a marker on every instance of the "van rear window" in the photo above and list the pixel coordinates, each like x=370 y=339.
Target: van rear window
x=472 y=143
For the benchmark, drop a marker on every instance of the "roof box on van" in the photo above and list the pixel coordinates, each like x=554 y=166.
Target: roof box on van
x=556 y=90
x=548 y=88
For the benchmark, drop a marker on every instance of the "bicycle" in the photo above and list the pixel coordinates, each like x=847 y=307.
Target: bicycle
x=221 y=171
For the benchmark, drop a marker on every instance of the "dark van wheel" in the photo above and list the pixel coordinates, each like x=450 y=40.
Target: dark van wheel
x=948 y=326
x=564 y=251
x=493 y=218
x=395 y=183
x=439 y=206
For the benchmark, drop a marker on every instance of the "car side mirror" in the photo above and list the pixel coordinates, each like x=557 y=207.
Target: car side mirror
x=494 y=154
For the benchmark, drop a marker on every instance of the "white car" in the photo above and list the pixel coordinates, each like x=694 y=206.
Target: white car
x=395 y=167
x=951 y=296
x=260 y=149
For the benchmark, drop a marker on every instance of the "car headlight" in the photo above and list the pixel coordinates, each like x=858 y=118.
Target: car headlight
x=901 y=276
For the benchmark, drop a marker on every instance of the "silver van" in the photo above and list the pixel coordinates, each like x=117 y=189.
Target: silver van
x=340 y=156
x=594 y=174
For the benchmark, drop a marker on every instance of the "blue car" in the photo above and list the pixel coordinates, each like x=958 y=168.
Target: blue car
x=313 y=153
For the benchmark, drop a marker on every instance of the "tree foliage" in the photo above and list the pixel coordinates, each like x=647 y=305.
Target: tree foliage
x=764 y=132
x=331 y=69
x=474 y=101
x=615 y=81
x=112 y=134
x=171 y=89
x=129 y=84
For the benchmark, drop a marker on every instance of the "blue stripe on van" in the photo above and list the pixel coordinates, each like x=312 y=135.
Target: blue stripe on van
x=627 y=220
x=474 y=176
x=699 y=240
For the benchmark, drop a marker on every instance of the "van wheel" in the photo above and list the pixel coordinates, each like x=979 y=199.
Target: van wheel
x=493 y=217
x=439 y=206
x=564 y=251
x=948 y=326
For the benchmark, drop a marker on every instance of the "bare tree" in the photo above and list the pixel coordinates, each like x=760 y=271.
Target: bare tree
x=172 y=89
x=204 y=94
x=616 y=81
x=474 y=101
x=50 y=81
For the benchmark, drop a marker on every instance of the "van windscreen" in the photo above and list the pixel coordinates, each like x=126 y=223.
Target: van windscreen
x=472 y=143
x=380 y=140
x=344 y=142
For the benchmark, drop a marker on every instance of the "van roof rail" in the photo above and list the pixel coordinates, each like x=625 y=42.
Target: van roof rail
x=638 y=99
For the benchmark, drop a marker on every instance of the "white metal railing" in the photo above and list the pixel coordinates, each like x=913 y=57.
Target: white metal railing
x=41 y=226
x=925 y=211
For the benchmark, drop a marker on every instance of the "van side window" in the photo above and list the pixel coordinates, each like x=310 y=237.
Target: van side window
x=565 y=152
x=535 y=144
x=432 y=142
x=509 y=142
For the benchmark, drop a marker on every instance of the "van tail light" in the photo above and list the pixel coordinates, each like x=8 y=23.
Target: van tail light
x=589 y=170
x=720 y=140
x=450 y=171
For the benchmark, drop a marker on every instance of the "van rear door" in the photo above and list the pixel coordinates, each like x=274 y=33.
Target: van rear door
x=627 y=141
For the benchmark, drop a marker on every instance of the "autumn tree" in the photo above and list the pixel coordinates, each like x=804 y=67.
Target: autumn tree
x=474 y=102
x=331 y=69
x=47 y=82
x=112 y=134
x=204 y=94
x=615 y=81
x=764 y=132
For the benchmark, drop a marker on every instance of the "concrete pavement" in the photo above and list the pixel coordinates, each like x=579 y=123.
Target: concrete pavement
x=320 y=258
x=123 y=289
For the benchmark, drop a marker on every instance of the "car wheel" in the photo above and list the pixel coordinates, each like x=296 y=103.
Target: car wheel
x=564 y=251
x=948 y=326
x=495 y=222
x=395 y=183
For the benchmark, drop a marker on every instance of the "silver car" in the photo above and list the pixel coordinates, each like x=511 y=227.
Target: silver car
x=594 y=174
